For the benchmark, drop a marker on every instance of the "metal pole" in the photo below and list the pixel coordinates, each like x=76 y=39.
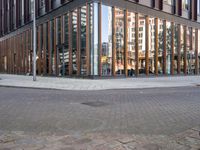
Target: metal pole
x=34 y=41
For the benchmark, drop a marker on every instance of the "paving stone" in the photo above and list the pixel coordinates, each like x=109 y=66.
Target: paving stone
x=125 y=140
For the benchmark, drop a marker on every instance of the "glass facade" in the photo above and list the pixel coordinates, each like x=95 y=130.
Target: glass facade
x=74 y=42
x=106 y=56
x=168 y=47
x=176 y=47
x=151 y=45
x=119 y=35
x=141 y=43
x=83 y=58
x=99 y=40
x=160 y=46
x=131 y=44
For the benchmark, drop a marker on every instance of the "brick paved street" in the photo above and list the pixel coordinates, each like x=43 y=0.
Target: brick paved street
x=165 y=118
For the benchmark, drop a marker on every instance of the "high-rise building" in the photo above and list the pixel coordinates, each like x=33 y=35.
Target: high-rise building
x=87 y=38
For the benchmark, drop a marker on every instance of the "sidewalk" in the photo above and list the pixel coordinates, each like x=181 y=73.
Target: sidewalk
x=101 y=84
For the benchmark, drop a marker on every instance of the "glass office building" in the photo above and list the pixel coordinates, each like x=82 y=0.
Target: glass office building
x=101 y=38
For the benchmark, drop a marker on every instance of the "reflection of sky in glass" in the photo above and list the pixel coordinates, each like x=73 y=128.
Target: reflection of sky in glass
x=105 y=21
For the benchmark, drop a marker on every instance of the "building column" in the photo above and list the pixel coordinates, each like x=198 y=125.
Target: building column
x=27 y=50
x=49 y=47
x=88 y=39
x=136 y=44
x=113 y=42
x=196 y=53
x=100 y=38
x=55 y=46
x=185 y=50
x=165 y=47
x=156 y=46
x=0 y=53
x=172 y=49
x=179 y=50
x=147 y=45
x=126 y=42
x=22 y=46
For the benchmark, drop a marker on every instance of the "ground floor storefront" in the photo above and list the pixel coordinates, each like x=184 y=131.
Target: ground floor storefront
x=101 y=39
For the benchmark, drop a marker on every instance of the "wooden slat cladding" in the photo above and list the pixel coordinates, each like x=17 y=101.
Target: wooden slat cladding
x=156 y=46
x=165 y=47
x=126 y=42
x=136 y=45
x=113 y=41
x=196 y=52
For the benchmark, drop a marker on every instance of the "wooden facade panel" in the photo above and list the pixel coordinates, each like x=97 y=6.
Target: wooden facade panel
x=136 y=44
x=113 y=41
x=55 y=47
x=156 y=46
x=172 y=49
x=179 y=50
x=196 y=52
x=49 y=48
x=88 y=39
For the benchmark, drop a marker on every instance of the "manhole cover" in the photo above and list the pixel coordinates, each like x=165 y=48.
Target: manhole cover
x=95 y=104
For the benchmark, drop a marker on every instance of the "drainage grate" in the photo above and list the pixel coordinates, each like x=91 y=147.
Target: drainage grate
x=95 y=104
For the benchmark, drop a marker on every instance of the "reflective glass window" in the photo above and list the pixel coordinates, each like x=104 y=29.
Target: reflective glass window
x=131 y=44
x=106 y=59
x=151 y=45
x=66 y=44
x=160 y=46
x=176 y=48
x=119 y=26
x=94 y=38
x=141 y=43
x=83 y=41
x=52 y=47
x=168 y=47
x=182 y=40
x=74 y=42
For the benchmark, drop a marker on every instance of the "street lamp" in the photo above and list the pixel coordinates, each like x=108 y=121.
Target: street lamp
x=34 y=42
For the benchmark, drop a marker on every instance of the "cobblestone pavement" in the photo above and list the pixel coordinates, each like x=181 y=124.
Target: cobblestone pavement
x=142 y=119
x=102 y=84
